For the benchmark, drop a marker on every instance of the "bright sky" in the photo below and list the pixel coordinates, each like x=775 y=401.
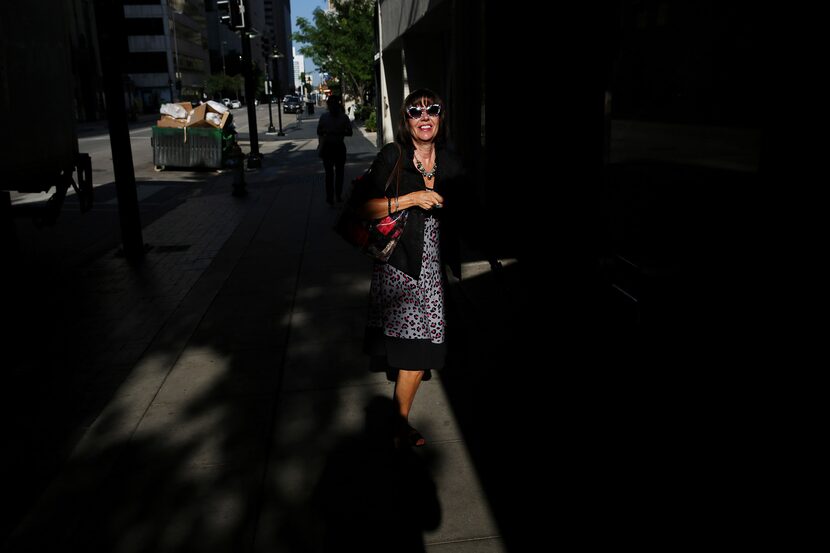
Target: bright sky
x=305 y=8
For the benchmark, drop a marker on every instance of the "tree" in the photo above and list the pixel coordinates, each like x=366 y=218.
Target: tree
x=223 y=86
x=342 y=43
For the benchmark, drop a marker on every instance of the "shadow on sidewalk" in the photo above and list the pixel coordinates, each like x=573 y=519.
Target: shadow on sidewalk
x=371 y=496
x=602 y=411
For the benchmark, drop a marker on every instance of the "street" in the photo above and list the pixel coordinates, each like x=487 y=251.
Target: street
x=94 y=140
x=79 y=237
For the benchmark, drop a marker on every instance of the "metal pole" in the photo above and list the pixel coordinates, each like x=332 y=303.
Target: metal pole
x=112 y=38
x=254 y=158
x=279 y=95
x=270 y=92
x=279 y=114
x=176 y=49
x=222 y=52
x=175 y=42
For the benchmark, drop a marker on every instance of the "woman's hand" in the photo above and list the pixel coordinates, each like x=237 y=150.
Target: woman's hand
x=426 y=199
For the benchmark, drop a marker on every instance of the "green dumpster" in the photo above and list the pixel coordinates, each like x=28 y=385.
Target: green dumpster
x=190 y=147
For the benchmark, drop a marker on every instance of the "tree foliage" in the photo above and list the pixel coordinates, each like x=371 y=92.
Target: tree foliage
x=224 y=86
x=342 y=43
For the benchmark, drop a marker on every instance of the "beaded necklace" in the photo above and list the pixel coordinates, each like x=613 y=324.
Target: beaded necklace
x=424 y=172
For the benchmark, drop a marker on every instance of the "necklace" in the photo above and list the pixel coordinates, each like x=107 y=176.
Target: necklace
x=424 y=172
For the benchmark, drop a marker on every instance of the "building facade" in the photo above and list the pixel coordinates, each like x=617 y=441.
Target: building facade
x=168 y=56
x=278 y=34
x=299 y=69
x=437 y=45
x=270 y=23
x=173 y=47
x=86 y=65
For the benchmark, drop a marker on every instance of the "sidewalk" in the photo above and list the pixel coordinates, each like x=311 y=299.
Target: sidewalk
x=217 y=399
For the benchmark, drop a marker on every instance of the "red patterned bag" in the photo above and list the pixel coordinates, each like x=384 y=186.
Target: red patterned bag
x=376 y=238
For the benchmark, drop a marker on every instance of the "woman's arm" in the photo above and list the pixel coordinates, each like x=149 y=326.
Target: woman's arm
x=381 y=207
x=374 y=204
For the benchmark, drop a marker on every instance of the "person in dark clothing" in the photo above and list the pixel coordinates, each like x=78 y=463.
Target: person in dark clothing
x=406 y=323
x=332 y=128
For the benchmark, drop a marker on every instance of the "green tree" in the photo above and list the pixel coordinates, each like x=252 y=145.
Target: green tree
x=342 y=43
x=223 y=86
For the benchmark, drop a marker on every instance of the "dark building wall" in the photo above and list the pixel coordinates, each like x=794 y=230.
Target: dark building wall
x=86 y=71
x=283 y=42
x=688 y=61
x=444 y=51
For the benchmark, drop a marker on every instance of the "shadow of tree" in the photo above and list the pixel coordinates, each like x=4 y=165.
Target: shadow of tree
x=184 y=441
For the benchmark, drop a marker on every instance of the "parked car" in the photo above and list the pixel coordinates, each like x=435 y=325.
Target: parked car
x=226 y=102
x=236 y=104
x=292 y=104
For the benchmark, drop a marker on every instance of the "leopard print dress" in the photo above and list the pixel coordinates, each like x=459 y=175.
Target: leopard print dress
x=410 y=312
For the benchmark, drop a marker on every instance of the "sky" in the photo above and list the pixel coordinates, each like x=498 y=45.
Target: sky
x=305 y=8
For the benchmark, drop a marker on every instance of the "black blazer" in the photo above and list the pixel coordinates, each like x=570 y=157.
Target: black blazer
x=450 y=182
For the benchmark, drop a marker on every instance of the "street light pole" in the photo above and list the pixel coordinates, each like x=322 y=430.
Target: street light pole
x=175 y=42
x=269 y=90
x=178 y=73
x=275 y=55
x=222 y=52
x=254 y=158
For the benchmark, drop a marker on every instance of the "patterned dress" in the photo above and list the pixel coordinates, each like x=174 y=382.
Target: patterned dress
x=409 y=313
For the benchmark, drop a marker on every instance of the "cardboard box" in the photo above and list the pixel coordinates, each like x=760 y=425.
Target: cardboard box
x=198 y=117
x=171 y=122
x=223 y=118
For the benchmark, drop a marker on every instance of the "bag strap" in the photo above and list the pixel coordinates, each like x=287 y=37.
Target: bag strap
x=396 y=171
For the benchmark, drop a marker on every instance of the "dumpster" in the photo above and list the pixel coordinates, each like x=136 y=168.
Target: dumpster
x=190 y=147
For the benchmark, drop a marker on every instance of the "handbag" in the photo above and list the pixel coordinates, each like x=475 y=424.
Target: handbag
x=376 y=238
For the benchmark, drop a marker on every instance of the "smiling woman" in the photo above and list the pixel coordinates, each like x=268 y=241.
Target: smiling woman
x=406 y=327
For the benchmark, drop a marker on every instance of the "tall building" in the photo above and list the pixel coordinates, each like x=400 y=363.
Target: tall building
x=279 y=39
x=173 y=48
x=168 y=57
x=86 y=66
x=270 y=22
x=299 y=68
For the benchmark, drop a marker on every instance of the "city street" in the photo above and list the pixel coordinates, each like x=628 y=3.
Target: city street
x=78 y=238
x=210 y=398
x=93 y=139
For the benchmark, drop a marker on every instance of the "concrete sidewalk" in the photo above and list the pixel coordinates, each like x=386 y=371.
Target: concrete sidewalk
x=228 y=406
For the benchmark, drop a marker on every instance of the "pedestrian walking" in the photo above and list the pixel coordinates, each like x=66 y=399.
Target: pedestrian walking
x=407 y=324
x=332 y=128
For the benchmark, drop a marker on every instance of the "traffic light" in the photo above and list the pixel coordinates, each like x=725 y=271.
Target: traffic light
x=231 y=13
x=224 y=9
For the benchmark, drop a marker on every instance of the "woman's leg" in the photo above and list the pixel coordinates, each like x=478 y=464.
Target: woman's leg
x=328 y=164
x=405 y=388
x=339 y=165
x=338 y=180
